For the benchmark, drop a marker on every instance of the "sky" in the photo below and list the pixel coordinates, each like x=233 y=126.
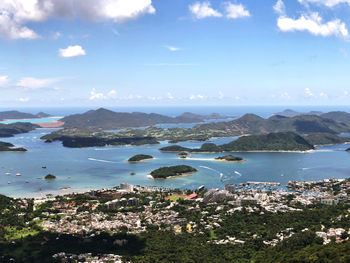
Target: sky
x=174 y=52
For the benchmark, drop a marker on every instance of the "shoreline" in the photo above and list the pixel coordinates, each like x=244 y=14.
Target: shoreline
x=149 y=176
x=144 y=160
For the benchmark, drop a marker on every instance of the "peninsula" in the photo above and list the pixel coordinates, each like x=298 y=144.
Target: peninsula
x=9 y=147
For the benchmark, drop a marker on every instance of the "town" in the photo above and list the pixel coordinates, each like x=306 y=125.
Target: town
x=133 y=210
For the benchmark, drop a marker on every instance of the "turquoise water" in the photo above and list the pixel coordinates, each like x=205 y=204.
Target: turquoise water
x=95 y=168
x=40 y=120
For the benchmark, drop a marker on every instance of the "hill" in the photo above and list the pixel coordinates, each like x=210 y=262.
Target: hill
x=253 y=124
x=291 y=113
x=6 y=115
x=108 y=120
x=325 y=139
x=282 y=141
x=9 y=130
x=340 y=116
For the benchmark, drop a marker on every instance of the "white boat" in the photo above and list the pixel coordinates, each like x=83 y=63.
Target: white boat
x=18 y=174
x=8 y=182
x=8 y=173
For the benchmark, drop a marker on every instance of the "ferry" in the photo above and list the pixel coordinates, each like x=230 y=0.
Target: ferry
x=18 y=174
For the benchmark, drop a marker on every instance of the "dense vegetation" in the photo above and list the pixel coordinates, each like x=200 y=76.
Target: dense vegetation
x=325 y=139
x=282 y=141
x=165 y=172
x=9 y=130
x=140 y=157
x=9 y=147
x=229 y=158
x=29 y=243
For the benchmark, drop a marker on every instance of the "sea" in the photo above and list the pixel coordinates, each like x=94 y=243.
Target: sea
x=83 y=169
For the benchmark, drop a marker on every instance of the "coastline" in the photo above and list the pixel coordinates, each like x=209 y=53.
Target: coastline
x=149 y=176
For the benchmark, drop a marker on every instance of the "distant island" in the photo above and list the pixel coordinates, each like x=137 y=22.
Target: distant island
x=75 y=138
x=13 y=115
x=348 y=149
x=140 y=158
x=103 y=119
x=230 y=158
x=282 y=141
x=171 y=171
x=9 y=147
x=50 y=177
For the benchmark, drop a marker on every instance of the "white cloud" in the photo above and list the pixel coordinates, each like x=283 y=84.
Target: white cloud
x=71 y=51
x=94 y=95
x=112 y=94
x=15 y=14
x=172 y=48
x=308 y=92
x=346 y=93
x=34 y=83
x=3 y=80
x=56 y=35
x=23 y=99
x=328 y=3
x=324 y=95
x=280 y=8
x=221 y=95
x=313 y=24
x=170 y=96
x=198 y=96
x=236 y=10
x=203 y=10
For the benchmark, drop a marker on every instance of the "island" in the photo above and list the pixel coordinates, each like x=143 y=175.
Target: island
x=50 y=177
x=9 y=147
x=230 y=158
x=109 y=120
x=175 y=148
x=15 y=115
x=348 y=149
x=172 y=171
x=140 y=158
x=183 y=155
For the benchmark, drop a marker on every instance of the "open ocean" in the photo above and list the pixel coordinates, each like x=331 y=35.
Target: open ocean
x=95 y=168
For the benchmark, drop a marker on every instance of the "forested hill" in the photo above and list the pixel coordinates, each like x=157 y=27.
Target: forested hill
x=282 y=141
x=9 y=130
x=301 y=124
x=109 y=120
x=5 y=115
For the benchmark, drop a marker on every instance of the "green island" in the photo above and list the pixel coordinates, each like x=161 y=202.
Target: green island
x=183 y=155
x=50 y=177
x=9 y=147
x=230 y=158
x=171 y=171
x=13 y=114
x=282 y=141
x=140 y=158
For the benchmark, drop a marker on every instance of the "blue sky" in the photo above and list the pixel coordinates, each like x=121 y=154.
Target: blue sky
x=167 y=52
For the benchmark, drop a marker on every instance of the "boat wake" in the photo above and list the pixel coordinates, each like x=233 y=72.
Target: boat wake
x=206 y=167
x=238 y=173
x=102 y=161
